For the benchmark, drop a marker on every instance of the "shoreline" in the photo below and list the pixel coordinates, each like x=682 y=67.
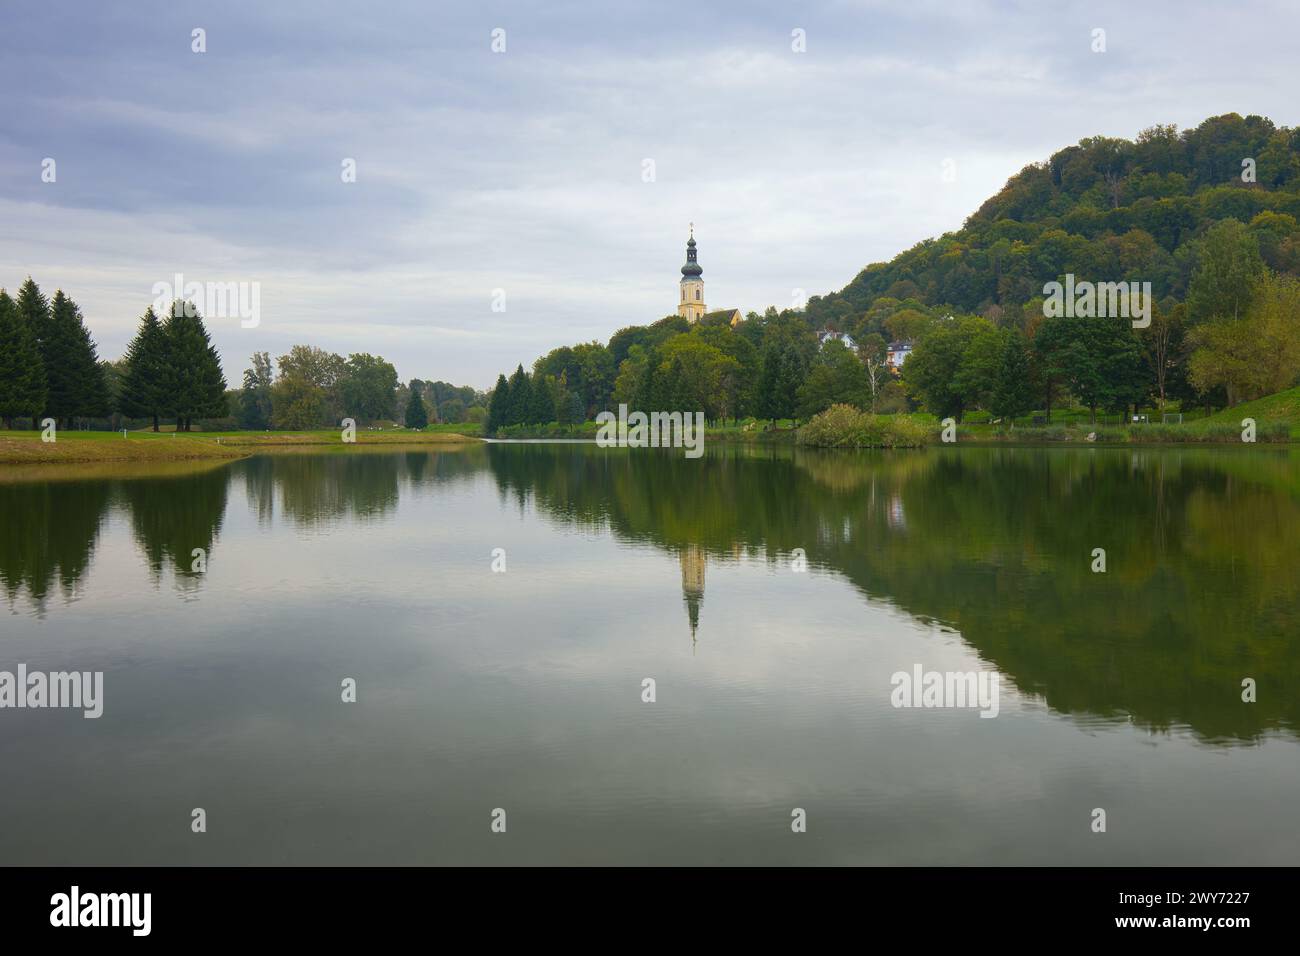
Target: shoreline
x=26 y=448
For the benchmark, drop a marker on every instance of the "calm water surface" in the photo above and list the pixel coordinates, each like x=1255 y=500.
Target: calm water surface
x=522 y=690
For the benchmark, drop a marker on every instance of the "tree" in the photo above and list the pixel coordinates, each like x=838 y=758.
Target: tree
x=453 y=411
x=1053 y=349
x=367 y=388
x=781 y=373
x=521 y=398
x=875 y=359
x=1257 y=354
x=34 y=313
x=255 y=406
x=1164 y=341
x=977 y=371
x=499 y=406
x=306 y=392
x=143 y=388
x=837 y=377
x=76 y=382
x=1013 y=390
x=22 y=373
x=416 y=416
x=194 y=383
x=541 y=400
x=1227 y=269
x=930 y=374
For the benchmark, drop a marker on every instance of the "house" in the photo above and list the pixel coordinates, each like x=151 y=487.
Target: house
x=826 y=335
x=896 y=353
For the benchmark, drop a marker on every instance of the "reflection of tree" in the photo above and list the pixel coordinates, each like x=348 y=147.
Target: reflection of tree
x=47 y=533
x=359 y=483
x=173 y=516
x=997 y=542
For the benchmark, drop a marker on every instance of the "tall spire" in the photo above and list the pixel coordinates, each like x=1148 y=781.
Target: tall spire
x=692 y=268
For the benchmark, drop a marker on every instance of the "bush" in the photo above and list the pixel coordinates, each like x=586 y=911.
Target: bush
x=843 y=426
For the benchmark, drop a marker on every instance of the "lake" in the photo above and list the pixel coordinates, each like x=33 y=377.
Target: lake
x=770 y=593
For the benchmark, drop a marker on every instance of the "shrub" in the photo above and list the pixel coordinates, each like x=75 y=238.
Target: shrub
x=843 y=426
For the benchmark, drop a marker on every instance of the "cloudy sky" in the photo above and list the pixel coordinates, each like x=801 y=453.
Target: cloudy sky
x=523 y=170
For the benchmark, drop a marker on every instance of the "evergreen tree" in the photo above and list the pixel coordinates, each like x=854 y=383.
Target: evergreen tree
x=22 y=373
x=76 y=382
x=768 y=383
x=499 y=407
x=143 y=387
x=416 y=416
x=521 y=397
x=1013 y=391
x=541 y=403
x=34 y=313
x=782 y=374
x=194 y=384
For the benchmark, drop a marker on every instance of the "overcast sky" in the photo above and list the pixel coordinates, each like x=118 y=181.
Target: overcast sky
x=523 y=170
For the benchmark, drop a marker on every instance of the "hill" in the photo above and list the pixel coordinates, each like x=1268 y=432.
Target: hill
x=1132 y=210
x=1282 y=407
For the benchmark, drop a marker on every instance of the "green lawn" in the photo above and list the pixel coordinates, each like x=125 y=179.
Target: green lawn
x=1278 y=407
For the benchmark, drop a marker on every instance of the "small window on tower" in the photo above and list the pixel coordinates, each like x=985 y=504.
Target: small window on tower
x=697 y=295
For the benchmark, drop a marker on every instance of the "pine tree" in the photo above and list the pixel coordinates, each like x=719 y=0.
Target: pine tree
x=521 y=398
x=34 y=313
x=541 y=404
x=194 y=384
x=1013 y=390
x=143 y=387
x=416 y=416
x=22 y=373
x=76 y=382
x=499 y=407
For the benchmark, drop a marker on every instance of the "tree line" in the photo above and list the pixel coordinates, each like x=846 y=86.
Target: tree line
x=312 y=388
x=1235 y=337
x=1208 y=216
x=49 y=367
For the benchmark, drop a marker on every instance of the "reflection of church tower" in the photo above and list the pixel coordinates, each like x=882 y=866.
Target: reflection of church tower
x=691 y=304
x=693 y=583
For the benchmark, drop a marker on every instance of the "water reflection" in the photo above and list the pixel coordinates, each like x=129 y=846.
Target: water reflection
x=996 y=544
x=48 y=531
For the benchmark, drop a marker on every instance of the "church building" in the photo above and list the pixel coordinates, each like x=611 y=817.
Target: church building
x=691 y=304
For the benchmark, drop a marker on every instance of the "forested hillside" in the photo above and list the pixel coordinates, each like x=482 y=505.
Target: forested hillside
x=1107 y=208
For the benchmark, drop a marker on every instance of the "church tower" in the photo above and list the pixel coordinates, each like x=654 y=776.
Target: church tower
x=691 y=304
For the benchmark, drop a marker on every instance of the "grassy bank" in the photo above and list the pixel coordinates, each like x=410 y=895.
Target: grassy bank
x=18 y=448
x=26 y=447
